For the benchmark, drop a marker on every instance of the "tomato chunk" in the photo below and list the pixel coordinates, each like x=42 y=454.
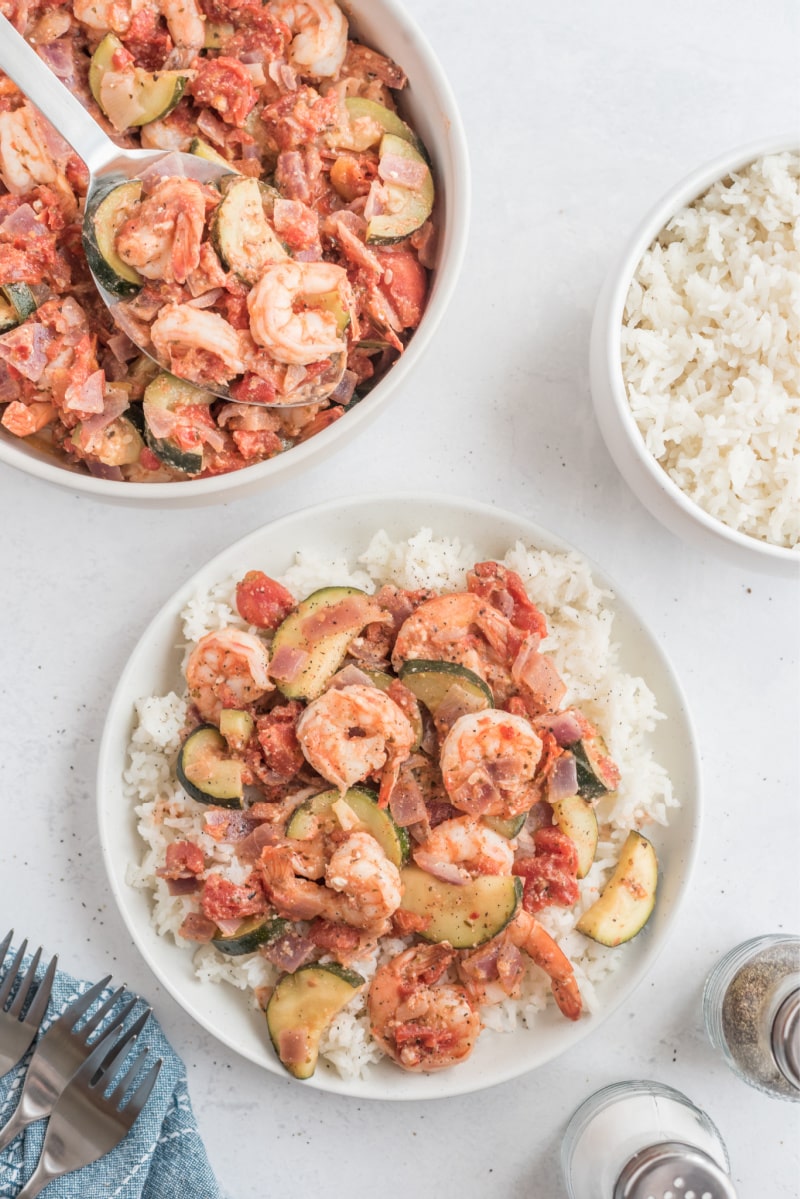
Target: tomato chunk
x=551 y=874
x=261 y=601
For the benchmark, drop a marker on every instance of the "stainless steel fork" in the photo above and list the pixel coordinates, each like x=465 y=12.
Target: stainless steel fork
x=86 y=1123
x=62 y=1050
x=18 y=1026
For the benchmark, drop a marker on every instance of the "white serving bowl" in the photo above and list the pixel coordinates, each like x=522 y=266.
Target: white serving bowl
x=431 y=108
x=640 y=469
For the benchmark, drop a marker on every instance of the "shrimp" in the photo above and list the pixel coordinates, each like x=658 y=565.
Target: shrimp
x=184 y=19
x=461 y=628
x=227 y=669
x=297 y=310
x=367 y=883
x=422 y=1025
x=527 y=933
x=488 y=762
x=362 y=887
x=162 y=236
x=26 y=158
x=466 y=846
x=351 y=732
x=107 y=15
x=319 y=27
x=186 y=24
x=191 y=338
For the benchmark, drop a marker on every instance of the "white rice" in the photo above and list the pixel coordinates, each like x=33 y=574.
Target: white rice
x=711 y=349
x=580 y=642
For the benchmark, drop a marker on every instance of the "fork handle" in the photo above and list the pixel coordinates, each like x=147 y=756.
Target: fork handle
x=38 y=1180
x=20 y=1119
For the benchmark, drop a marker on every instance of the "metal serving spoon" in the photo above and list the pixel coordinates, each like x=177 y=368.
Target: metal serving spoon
x=106 y=161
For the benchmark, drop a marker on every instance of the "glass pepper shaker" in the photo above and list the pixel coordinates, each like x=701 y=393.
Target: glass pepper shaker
x=643 y=1140
x=751 y=1008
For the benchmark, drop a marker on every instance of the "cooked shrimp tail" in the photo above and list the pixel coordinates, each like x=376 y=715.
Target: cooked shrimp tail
x=528 y=934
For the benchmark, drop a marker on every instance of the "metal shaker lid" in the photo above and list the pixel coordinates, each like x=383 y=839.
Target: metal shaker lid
x=786 y=1038
x=672 y=1168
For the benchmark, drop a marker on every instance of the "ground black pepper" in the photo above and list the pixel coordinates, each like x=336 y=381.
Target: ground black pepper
x=749 y=1005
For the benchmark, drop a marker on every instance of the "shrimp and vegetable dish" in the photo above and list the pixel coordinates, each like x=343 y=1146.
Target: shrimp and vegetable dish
x=291 y=287
x=387 y=807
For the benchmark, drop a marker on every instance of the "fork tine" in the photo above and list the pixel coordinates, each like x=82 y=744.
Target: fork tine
x=42 y=997
x=92 y=1023
x=122 y=1015
x=123 y=1081
x=80 y=1005
x=13 y=970
x=24 y=989
x=140 y=1096
x=119 y=1050
x=4 y=945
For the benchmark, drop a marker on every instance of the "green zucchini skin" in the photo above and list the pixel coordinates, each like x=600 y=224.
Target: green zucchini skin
x=393 y=840
x=627 y=900
x=168 y=392
x=431 y=680
x=305 y=1003
x=252 y=933
x=106 y=211
x=206 y=772
x=409 y=208
x=593 y=778
x=152 y=95
x=17 y=303
x=240 y=231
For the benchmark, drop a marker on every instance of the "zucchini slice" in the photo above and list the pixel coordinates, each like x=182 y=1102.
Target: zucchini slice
x=236 y=727
x=106 y=211
x=446 y=686
x=119 y=444
x=505 y=827
x=176 y=396
x=321 y=628
x=131 y=96
x=8 y=315
x=374 y=120
x=405 y=208
x=466 y=915
x=597 y=773
x=201 y=149
x=252 y=932
x=575 y=817
x=205 y=771
x=302 y=1007
x=241 y=233
x=392 y=839
x=628 y=898
x=19 y=300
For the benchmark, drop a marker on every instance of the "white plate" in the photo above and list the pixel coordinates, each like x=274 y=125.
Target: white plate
x=344 y=527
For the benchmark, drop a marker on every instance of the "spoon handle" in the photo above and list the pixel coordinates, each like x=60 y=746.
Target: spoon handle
x=24 y=66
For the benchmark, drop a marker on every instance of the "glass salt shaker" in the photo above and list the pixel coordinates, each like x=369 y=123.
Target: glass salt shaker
x=751 y=1008
x=643 y=1140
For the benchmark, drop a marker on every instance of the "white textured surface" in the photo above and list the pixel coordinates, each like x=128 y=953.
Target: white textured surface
x=578 y=116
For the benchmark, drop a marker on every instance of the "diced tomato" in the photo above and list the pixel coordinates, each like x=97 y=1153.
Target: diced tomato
x=405 y=284
x=252 y=389
x=197 y=927
x=257 y=444
x=183 y=857
x=277 y=736
x=551 y=873
x=24 y=419
x=224 y=900
x=225 y=85
x=505 y=591
x=148 y=460
x=263 y=602
x=405 y=923
x=330 y=935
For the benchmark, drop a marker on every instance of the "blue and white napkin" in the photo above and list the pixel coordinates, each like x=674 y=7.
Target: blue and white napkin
x=162 y=1155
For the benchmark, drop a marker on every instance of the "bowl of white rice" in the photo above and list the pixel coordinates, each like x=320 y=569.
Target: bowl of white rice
x=695 y=358
x=615 y=669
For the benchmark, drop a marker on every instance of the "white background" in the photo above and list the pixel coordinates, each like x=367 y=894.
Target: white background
x=578 y=116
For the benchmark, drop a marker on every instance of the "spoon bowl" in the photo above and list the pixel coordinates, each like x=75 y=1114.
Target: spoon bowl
x=109 y=165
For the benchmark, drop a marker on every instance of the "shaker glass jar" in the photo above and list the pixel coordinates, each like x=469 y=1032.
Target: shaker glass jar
x=637 y=1139
x=751 y=1008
